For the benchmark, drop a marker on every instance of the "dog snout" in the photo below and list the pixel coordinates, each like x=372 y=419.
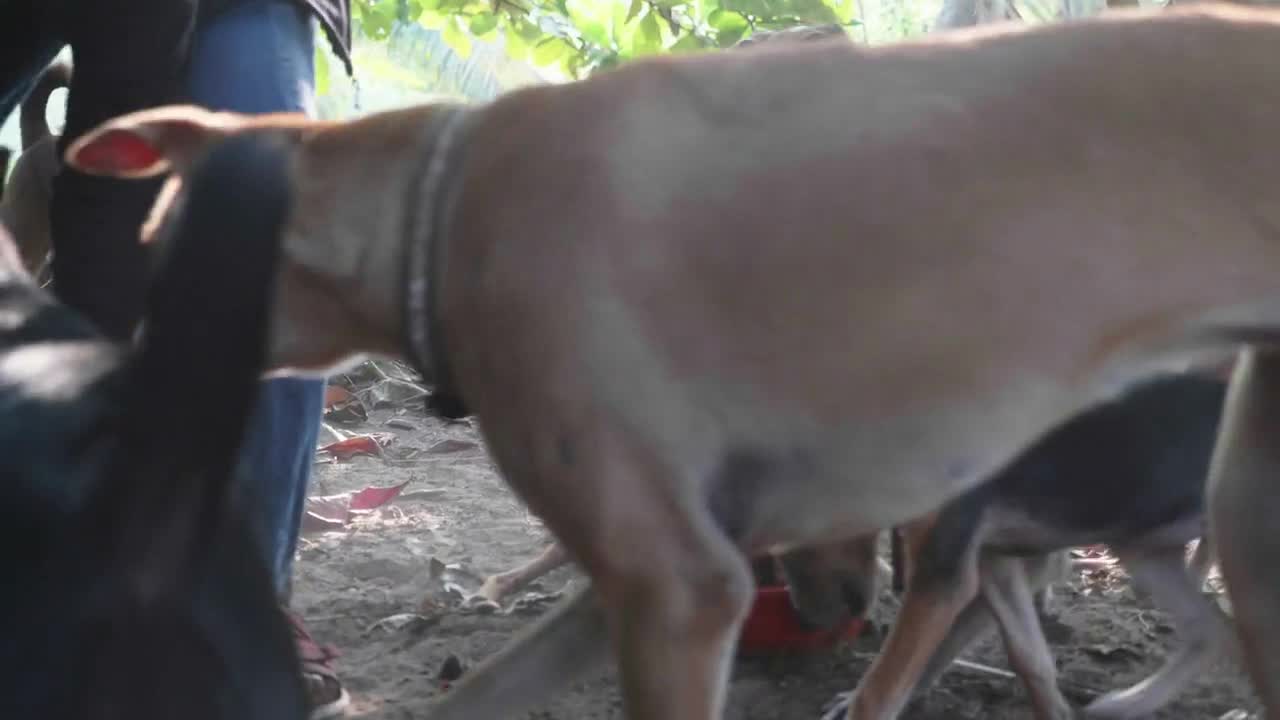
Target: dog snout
x=831 y=584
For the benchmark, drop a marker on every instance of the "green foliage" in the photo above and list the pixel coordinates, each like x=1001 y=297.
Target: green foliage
x=578 y=37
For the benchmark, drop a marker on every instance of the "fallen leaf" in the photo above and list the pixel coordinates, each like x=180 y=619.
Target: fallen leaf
x=392 y=393
x=334 y=512
x=326 y=513
x=375 y=497
x=341 y=405
x=400 y=621
x=371 y=444
x=1113 y=653
x=451 y=446
x=432 y=495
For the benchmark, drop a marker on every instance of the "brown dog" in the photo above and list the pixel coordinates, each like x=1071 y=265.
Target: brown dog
x=24 y=208
x=496 y=587
x=710 y=306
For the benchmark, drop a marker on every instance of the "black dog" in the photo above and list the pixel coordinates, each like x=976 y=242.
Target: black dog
x=1129 y=473
x=132 y=588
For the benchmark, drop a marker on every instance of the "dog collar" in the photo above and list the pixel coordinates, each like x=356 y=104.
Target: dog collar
x=428 y=206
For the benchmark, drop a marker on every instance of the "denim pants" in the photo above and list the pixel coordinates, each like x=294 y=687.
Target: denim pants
x=257 y=57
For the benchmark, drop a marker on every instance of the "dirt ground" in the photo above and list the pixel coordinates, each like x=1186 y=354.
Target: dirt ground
x=386 y=586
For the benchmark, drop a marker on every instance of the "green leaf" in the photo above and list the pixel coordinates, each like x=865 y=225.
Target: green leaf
x=591 y=18
x=648 y=37
x=634 y=10
x=433 y=19
x=529 y=31
x=551 y=50
x=322 y=69
x=844 y=11
x=721 y=19
x=386 y=9
x=514 y=45
x=413 y=10
x=727 y=38
x=730 y=26
x=483 y=23
x=456 y=36
x=688 y=42
x=815 y=12
x=377 y=17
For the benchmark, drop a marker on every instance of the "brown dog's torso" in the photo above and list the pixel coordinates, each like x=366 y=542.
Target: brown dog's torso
x=895 y=266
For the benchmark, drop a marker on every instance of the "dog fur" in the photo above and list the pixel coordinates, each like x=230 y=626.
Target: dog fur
x=24 y=207
x=132 y=592
x=789 y=295
x=1128 y=473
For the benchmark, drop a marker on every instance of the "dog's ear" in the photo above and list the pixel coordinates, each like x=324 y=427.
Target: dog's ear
x=151 y=142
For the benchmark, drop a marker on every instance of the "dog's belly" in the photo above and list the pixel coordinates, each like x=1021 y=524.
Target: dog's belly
x=886 y=471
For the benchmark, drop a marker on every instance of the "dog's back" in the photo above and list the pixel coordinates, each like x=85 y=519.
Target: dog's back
x=1126 y=468
x=133 y=590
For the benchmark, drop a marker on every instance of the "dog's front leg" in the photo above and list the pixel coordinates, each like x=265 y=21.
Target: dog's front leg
x=1007 y=590
x=1244 y=502
x=496 y=588
x=939 y=589
x=675 y=601
x=672 y=586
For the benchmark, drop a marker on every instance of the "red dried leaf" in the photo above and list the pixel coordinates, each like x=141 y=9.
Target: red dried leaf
x=326 y=513
x=359 y=445
x=375 y=497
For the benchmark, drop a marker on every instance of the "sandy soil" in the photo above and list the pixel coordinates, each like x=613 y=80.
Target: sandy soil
x=384 y=589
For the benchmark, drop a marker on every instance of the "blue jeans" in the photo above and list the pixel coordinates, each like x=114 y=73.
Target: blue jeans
x=257 y=57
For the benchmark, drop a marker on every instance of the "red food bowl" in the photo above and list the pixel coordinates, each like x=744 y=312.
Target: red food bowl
x=773 y=626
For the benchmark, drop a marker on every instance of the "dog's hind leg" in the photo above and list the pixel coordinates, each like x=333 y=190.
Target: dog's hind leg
x=1244 y=502
x=1007 y=591
x=1202 y=629
x=977 y=620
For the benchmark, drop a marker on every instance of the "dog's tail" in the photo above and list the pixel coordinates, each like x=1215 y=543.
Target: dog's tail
x=31 y=116
x=176 y=555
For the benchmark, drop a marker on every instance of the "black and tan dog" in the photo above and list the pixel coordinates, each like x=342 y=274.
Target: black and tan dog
x=711 y=306
x=131 y=587
x=1128 y=473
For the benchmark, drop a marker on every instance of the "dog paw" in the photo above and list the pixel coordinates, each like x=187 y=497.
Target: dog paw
x=837 y=708
x=1118 y=705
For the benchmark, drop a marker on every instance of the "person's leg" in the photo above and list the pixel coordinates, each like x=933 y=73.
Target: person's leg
x=257 y=58
x=99 y=267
